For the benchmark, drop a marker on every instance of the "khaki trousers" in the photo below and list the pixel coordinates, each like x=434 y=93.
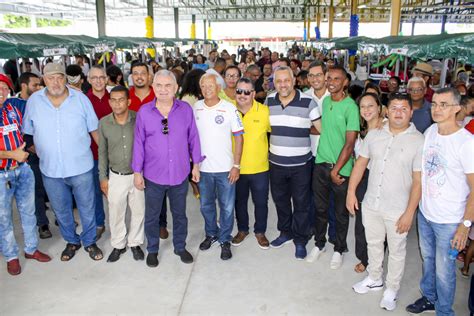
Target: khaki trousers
x=121 y=191
x=379 y=225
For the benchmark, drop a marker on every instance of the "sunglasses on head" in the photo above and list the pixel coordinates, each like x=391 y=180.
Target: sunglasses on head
x=165 y=129
x=246 y=92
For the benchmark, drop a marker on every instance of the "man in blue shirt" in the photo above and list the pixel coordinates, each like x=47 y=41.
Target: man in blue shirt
x=60 y=120
x=416 y=88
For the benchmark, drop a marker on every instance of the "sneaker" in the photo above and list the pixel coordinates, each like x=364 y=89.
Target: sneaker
x=315 y=254
x=239 y=238
x=226 y=253
x=44 y=232
x=336 y=260
x=208 y=242
x=389 y=300
x=263 y=242
x=367 y=285
x=280 y=241
x=420 y=306
x=300 y=252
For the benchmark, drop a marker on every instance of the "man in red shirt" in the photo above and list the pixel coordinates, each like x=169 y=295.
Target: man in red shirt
x=99 y=97
x=141 y=92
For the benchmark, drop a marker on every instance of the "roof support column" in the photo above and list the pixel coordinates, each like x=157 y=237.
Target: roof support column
x=205 y=29
x=149 y=22
x=331 y=18
x=395 y=15
x=100 y=12
x=193 y=26
x=176 y=23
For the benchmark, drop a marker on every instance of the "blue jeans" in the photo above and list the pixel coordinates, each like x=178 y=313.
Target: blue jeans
x=99 y=202
x=60 y=191
x=40 y=193
x=209 y=185
x=18 y=183
x=258 y=184
x=155 y=194
x=438 y=283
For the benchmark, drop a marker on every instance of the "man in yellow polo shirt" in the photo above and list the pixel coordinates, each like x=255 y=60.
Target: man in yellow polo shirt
x=254 y=175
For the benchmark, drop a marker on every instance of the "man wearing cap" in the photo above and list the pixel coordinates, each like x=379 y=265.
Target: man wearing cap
x=425 y=71
x=60 y=120
x=16 y=180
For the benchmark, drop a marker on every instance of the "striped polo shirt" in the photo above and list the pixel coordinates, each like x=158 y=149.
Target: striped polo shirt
x=290 y=144
x=10 y=128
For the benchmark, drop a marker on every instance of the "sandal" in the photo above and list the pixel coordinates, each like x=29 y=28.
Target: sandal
x=69 y=252
x=360 y=267
x=94 y=252
x=464 y=274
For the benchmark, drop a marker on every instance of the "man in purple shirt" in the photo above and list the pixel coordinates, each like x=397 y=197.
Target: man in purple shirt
x=161 y=155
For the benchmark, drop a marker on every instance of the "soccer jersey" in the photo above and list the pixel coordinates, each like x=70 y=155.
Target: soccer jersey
x=216 y=125
x=10 y=128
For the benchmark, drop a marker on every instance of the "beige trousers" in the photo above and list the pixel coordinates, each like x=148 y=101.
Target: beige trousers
x=121 y=191
x=378 y=225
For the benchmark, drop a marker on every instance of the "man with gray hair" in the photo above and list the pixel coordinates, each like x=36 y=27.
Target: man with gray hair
x=416 y=88
x=292 y=113
x=166 y=139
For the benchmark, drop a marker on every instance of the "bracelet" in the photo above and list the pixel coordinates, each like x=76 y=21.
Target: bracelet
x=236 y=166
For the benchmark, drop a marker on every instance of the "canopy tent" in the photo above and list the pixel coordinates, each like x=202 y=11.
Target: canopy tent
x=460 y=46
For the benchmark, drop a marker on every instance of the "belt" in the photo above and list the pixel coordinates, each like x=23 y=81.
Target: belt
x=121 y=173
x=327 y=164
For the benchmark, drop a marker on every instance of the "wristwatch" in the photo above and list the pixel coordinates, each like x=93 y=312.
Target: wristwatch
x=467 y=223
x=236 y=166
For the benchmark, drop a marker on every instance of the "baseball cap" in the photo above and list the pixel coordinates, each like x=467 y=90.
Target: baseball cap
x=54 y=68
x=4 y=78
x=424 y=68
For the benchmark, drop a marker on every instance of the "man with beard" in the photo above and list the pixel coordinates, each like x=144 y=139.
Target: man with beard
x=60 y=120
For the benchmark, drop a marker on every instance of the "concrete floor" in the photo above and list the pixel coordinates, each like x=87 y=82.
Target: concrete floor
x=255 y=281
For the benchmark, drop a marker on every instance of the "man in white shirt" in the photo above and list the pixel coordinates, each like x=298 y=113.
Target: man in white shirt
x=447 y=203
x=392 y=197
x=218 y=71
x=217 y=120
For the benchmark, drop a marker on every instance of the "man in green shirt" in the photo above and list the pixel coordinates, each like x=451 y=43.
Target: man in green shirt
x=334 y=161
x=116 y=132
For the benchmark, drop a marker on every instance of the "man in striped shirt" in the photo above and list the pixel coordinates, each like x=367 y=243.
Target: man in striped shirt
x=291 y=115
x=16 y=180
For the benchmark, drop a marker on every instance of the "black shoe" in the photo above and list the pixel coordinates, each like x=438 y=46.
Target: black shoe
x=420 y=306
x=185 y=256
x=115 y=254
x=208 y=242
x=137 y=253
x=44 y=232
x=152 y=260
x=226 y=254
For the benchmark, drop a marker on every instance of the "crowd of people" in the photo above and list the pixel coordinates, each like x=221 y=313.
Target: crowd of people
x=326 y=144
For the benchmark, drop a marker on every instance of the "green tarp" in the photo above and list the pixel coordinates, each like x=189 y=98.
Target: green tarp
x=14 y=45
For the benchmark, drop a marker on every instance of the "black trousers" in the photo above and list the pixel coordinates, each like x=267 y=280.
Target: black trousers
x=359 y=231
x=322 y=186
x=292 y=185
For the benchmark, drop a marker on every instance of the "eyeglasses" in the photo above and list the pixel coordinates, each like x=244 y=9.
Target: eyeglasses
x=101 y=78
x=417 y=90
x=319 y=75
x=442 y=106
x=246 y=92
x=165 y=129
x=232 y=76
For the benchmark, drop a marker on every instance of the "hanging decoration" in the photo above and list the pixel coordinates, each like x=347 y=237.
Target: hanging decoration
x=354 y=30
x=317 y=32
x=389 y=61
